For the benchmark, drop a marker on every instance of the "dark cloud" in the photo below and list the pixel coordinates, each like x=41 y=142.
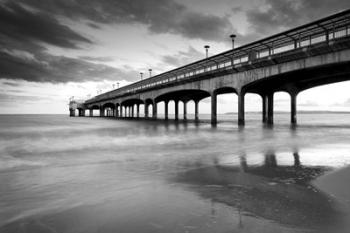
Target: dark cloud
x=20 y=24
x=11 y=84
x=166 y=16
x=97 y=59
x=183 y=58
x=277 y=15
x=48 y=68
x=25 y=35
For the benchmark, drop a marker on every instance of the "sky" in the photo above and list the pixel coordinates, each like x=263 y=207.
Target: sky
x=51 y=50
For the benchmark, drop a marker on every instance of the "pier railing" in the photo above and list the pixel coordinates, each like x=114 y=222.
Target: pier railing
x=313 y=35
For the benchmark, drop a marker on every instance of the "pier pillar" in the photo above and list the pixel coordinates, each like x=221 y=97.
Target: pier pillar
x=270 y=160
x=154 y=108
x=91 y=112
x=71 y=112
x=264 y=106
x=185 y=110
x=102 y=112
x=132 y=111
x=293 y=108
x=270 y=109
x=117 y=110
x=138 y=110
x=296 y=159
x=241 y=112
x=166 y=110
x=176 y=110
x=243 y=163
x=213 y=108
x=196 y=103
x=121 y=111
x=146 y=110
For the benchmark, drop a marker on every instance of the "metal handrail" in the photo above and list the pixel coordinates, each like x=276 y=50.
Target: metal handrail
x=321 y=30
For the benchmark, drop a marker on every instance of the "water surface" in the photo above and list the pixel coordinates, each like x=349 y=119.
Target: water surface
x=61 y=174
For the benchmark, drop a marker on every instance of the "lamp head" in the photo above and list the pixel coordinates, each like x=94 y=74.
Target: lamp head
x=233 y=36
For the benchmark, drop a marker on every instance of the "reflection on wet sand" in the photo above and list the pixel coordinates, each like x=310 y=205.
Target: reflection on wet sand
x=283 y=194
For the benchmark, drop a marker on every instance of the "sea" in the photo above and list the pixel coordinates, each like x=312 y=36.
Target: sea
x=92 y=174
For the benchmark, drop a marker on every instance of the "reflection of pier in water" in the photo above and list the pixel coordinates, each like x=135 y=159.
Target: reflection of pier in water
x=280 y=193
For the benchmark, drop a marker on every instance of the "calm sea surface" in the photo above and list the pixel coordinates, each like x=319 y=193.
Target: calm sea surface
x=61 y=174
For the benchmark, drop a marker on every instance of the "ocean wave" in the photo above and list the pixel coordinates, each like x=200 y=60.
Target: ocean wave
x=9 y=162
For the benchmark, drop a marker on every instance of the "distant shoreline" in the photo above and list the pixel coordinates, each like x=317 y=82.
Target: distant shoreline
x=227 y=113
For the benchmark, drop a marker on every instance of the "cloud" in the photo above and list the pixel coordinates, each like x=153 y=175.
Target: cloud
x=25 y=37
x=50 y=68
x=97 y=59
x=21 y=24
x=183 y=58
x=277 y=15
x=308 y=103
x=10 y=98
x=345 y=103
x=166 y=16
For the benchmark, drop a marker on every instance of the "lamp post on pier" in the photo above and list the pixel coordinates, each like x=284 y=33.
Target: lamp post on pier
x=233 y=36
x=206 y=50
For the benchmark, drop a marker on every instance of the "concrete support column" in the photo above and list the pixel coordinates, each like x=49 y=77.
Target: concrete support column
x=196 y=105
x=176 y=110
x=213 y=108
x=185 y=110
x=91 y=112
x=116 y=111
x=296 y=159
x=166 y=110
x=270 y=160
x=293 y=108
x=138 y=110
x=264 y=108
x=154 y=108
x=132 y=111
x=270 y=109
x=71 y=112
x=146 y=110
x=102 y=112
x=241 y=112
